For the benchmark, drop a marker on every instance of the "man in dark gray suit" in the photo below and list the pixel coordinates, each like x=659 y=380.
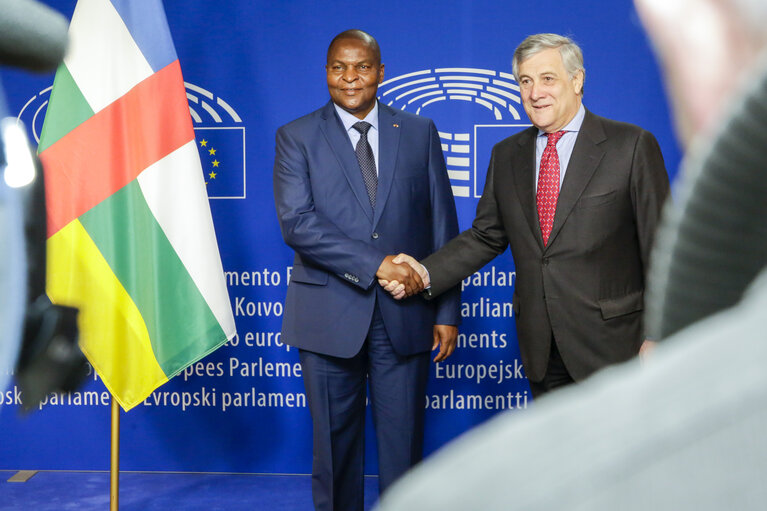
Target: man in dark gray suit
x=685 y=429
x=580 y=236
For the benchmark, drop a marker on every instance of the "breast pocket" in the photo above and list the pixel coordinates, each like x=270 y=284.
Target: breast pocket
x=593 y=201
x=410 y=173
x=411 y=187
x=599 y=217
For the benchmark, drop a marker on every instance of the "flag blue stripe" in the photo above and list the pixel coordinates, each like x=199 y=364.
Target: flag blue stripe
x=148 y=26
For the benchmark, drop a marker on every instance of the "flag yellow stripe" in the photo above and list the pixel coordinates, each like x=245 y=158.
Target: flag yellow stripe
x=113 y=334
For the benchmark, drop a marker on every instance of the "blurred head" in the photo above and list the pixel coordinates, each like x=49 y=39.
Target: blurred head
x=707 y=58
x=550 y=73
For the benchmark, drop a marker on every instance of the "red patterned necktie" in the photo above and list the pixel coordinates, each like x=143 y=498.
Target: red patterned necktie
x=548 y=185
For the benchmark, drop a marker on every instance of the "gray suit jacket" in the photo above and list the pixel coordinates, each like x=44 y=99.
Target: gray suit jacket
x=586 y=286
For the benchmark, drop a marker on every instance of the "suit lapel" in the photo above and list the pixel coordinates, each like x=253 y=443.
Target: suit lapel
x=583 y=162
x=388 y=145
x=339 y=142
x=523 y=171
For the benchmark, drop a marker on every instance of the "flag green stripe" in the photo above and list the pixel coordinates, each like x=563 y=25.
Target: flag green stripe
x=67 y=109
x=181 y=326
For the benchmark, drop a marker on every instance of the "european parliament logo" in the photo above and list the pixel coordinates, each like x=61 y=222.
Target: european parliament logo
x=220 y=138
x=219 y=132
x=472 y=108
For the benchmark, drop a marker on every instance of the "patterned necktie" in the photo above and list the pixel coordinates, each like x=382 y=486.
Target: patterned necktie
x=366 y=160
x=548 y=185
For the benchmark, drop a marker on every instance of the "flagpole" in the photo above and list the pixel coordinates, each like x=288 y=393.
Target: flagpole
x=114 y=469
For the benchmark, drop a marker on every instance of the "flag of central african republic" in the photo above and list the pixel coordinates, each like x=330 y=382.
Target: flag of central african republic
x=130 y=234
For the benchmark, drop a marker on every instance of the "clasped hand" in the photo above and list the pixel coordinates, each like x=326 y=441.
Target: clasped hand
x=402 y=276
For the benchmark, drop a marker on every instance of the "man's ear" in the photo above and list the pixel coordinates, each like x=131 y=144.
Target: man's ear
x=578 y=82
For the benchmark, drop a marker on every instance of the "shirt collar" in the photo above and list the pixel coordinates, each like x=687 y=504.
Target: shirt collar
x=574 y=124
x=349 y=120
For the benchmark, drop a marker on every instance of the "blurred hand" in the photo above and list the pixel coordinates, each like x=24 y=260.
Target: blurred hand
x=398 y=278
x=396 y=288
x=445 y=337
x=645 y=350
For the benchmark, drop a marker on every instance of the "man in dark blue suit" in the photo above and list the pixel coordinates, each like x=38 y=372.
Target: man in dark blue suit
x=353 y=182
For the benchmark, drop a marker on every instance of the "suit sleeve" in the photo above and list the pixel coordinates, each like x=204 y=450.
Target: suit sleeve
x=444 y=224
x=474 y=247
x=314 y=237
x=649 y=189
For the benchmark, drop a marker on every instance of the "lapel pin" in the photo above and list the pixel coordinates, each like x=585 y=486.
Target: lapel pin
x=395 y=125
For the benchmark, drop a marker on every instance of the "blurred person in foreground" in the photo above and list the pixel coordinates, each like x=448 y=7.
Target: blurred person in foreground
x=685 y=429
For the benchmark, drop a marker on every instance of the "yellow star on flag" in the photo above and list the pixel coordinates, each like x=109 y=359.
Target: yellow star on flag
x=215 y=163
x=203 y=142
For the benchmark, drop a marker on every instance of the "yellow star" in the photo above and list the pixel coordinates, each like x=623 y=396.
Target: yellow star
x=215 y=163
x=203 y=143
x=212 y=175
x=212 y=151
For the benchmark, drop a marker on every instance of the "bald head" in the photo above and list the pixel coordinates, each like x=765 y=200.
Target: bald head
x=357 y=35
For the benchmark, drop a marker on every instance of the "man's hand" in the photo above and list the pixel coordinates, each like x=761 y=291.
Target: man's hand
x=445 y=337
x=403 y=275
x=396 y=288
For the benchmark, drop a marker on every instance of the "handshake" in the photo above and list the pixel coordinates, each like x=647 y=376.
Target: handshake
x=402 y=276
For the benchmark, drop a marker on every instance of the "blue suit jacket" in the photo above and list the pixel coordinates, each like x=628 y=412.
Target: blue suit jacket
x=340 y=240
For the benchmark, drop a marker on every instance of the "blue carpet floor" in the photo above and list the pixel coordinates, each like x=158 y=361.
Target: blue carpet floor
x=159 y=491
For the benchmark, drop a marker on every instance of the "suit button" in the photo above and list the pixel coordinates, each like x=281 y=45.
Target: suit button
x=374 y=235
x=546 y=261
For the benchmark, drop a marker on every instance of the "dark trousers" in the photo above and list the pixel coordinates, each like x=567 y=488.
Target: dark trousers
x=556 y=376
x=335 y=389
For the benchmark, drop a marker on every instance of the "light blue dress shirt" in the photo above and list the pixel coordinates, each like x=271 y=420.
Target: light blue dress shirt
x=564 y=146
x=349 y=120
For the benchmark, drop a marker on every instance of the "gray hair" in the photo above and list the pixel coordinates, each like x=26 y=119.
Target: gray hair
x=572 y=56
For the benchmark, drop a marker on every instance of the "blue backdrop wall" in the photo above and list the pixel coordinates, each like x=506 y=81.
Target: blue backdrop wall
x=251 y=66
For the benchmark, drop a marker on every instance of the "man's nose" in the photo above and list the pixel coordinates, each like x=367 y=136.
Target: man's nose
x=350 y=74
x=536 y=91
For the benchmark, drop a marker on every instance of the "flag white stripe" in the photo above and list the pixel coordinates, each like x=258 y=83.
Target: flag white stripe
x=103 y=71
x=185 y=218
